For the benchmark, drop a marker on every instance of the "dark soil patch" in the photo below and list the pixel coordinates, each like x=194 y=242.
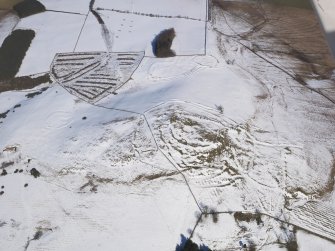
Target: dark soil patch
x=35 y=173
x=2 y=192
x=16 y=170
x=28 y=8
x=33 y=94
x=25 y=185
x=13 y=51
x=84 y=118
x=23 y=83
x=161 y=45
x=3 y=115
x=2 y=187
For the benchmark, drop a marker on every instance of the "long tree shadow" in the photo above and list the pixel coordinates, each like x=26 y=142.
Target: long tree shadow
x=188 y=245
x=13 y=51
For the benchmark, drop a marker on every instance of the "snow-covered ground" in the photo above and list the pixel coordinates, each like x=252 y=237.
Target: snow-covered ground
x=75 y=6
x=55 y=32
x=8 y=20
x=195 y=9
x=133 y=32
x=229 y=142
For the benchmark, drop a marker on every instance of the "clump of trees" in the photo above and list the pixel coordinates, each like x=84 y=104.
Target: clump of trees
x=161 y=45
x=28 y=7
x=34 y=172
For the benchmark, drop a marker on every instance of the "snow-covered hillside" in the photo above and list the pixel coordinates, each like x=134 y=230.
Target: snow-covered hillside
x=229 y=144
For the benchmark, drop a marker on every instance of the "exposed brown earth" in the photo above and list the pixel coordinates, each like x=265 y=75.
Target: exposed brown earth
x=280 y=32
x=23 y=83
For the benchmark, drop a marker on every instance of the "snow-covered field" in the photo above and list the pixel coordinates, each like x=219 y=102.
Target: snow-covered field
x=228 y=143
x=132 y=32
x=7 y=22
x=55 y=32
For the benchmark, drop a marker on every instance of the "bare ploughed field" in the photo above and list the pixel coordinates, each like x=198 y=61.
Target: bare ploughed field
x=290 y=36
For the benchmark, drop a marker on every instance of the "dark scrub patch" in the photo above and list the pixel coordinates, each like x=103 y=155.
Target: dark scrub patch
x=4 y=115
x=33 y=94
x=161 y=45
x=35 y=173
x=28 y=8
x=13 y=51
